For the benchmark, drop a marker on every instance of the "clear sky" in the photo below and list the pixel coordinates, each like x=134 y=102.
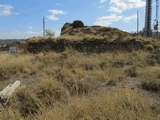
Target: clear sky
x=23 y=18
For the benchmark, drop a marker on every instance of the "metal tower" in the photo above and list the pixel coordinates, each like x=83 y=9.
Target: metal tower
x=44 y=34
x=156 y=24
x=147 y=29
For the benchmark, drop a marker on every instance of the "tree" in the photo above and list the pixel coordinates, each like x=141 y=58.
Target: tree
x=50 y=33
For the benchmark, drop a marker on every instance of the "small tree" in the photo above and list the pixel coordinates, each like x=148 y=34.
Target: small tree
x=50 y=33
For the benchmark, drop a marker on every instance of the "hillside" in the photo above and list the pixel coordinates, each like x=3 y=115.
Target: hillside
x=77 y=29
x=84 y=76
x=94 y=39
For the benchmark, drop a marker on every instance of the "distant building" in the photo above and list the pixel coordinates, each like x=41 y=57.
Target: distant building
x=22 y=45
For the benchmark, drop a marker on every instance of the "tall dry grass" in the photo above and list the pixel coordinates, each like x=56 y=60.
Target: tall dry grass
x=73 y=85
x=10 y=65
x=120 y=104
x=151 y=78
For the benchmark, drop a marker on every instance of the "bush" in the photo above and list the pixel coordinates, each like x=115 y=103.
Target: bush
x=131 y=72
x=45 y=95
x=124 y=104
x=151 y=79
x=50 y=91
x=153 y=59
x=27 y=103
x=78 y=87
x=153 y=85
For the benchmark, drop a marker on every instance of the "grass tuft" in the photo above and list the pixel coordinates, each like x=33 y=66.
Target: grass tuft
x=151 y=79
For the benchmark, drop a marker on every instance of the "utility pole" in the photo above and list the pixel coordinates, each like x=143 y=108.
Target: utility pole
x=148 y=31
x=44 y=26
x=156 y=20
x=137 y=22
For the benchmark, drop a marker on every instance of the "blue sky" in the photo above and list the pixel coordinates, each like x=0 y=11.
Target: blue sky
x=23 y=18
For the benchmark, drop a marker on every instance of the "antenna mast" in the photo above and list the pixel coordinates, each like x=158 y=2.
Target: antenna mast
x=43 y=26
x=147 y=29
x=156 y=20
x=137 y=22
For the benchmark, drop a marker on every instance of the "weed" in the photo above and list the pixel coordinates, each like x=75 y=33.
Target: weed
x=49 y=91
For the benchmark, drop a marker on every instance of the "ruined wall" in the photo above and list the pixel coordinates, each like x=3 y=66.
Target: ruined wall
x=92 y=46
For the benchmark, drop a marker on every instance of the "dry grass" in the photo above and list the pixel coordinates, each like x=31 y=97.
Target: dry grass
x=89 y=33
x=118 y=105
x=45 y=95
x=151 y=79
x=95 y=32
x=72 y=85
x=15 y=65
x=36 y=39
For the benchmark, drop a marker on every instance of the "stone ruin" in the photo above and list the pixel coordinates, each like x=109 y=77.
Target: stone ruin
x=75 y=24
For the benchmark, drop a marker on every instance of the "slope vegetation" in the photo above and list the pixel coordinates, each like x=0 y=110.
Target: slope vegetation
x=84 y=76
x=93 y=39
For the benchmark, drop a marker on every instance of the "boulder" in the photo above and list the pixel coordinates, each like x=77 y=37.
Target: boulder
x=70 y=26
x=66 y=26
x=77 y=24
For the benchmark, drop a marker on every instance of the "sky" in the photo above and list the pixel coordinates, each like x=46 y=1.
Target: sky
x=21 y=19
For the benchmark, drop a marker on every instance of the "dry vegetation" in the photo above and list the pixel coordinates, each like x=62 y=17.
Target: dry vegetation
x=73 y=85
x=70 y=83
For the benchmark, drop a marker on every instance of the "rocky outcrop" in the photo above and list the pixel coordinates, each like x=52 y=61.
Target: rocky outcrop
x=77 y=24
x=77 y=29
x=68 y=26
